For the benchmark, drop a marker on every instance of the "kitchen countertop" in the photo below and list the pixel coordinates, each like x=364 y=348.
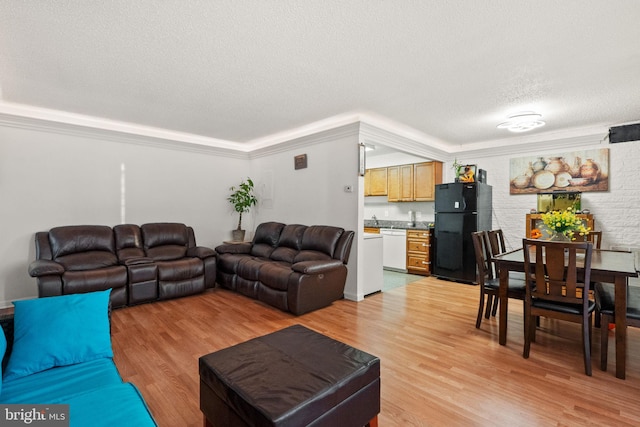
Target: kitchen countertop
x=404 y=225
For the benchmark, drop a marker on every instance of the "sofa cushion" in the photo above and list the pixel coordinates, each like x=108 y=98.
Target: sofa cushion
x=180 y=269
x=61 y=383
x=311 y=256
x=87 y=260
x=266 y=239
x=114 y=405
x=289 y=244
x=59 y=331
x=80 y=238
x=94 y=280
x=164 y=241
x=321 y=238
x=276 y=275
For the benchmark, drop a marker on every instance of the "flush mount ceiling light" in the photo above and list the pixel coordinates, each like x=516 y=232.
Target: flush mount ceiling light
x=522 y=122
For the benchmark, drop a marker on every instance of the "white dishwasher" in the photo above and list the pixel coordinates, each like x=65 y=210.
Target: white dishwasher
x=394 y=249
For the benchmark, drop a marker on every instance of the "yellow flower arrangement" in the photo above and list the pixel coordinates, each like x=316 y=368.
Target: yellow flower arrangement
x=565 y=222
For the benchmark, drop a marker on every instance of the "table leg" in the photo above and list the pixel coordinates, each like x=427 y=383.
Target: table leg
x=504 y=301
x=621 y=325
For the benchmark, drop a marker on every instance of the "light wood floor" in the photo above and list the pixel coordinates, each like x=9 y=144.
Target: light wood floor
x=436 y=368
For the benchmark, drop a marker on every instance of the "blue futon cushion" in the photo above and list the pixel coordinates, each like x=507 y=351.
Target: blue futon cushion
x=59 y=331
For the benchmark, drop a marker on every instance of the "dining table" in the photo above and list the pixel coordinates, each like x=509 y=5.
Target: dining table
x=606 y=266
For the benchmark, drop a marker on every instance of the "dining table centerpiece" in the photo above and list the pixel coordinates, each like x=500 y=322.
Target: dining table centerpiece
x=564 y=225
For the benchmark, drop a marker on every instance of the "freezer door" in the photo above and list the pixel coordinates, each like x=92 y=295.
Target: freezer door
x=456 y=197
x=454 y=253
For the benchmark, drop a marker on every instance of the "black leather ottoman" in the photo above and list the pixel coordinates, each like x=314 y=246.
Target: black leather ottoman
x=292 y=377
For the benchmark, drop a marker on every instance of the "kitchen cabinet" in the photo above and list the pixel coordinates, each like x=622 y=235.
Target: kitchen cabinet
x=413 y=182
x=535 y=221
x=419 y=251
x=375 y=182
x=400 y=183
x=426 y=175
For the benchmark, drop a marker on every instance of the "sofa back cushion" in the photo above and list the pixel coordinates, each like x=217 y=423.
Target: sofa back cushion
x=318 y=243
x=165 y=241
x=128 y=241
x=83 y=247
x=289 y=244
x=266 y=239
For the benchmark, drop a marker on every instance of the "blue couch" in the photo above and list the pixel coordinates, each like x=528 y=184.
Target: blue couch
x=45 y=365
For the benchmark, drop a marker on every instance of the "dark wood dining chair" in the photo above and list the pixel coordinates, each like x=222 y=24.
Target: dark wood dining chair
x=595 y=237
x=497 y=247
x=605 y=301
x=488 y=283
x=555 y=289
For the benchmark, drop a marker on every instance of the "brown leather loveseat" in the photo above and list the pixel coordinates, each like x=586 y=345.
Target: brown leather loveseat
x=139 y=263
x=293 y=267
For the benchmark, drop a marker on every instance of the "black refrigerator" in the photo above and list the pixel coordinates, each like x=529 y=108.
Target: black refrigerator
x=460 y=209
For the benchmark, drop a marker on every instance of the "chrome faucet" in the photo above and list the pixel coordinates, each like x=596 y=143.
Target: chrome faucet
x=375 y=220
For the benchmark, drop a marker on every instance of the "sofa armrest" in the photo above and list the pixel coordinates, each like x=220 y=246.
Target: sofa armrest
x=45 y=267
x=200 y=252
x=235 y=248
x=316 y=267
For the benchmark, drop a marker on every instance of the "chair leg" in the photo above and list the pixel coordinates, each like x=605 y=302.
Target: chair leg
x=604 y=341
x=598 y=321
x=480 y=309
x=586 y=342
x=487 y=313
x=527 y=334
x=496 y=301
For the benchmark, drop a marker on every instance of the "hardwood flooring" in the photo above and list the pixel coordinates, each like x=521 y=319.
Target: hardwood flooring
x=436 y=368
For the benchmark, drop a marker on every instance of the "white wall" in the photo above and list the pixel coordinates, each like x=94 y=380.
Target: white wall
x=49 y=179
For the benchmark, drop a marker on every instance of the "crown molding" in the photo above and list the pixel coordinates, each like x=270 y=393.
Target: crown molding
x=368 y=127
x=330 y=134
x=25 y=117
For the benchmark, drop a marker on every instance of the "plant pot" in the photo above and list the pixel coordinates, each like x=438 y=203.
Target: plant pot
x=237 y=235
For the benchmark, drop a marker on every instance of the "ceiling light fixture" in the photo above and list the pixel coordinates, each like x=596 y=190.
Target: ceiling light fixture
x=522 y=122
x=369 y=147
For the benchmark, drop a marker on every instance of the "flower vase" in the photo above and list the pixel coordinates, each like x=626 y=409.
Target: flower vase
x=558 y=236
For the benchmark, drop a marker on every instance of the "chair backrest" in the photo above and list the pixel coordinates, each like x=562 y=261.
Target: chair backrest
x=594 y=237
x=483 y=263
x=495 y=246
x=553 y=273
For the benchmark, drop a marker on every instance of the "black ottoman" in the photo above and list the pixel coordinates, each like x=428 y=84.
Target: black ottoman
x=292 y=377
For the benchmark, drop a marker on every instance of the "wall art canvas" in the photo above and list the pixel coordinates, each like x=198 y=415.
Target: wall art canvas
x=586 y=170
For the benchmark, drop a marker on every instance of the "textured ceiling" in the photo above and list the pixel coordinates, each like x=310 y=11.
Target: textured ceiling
x=243 y=70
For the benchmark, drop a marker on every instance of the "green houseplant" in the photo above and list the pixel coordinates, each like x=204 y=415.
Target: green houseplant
x=242 y=198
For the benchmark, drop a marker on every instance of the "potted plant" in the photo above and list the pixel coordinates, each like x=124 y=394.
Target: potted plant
x=242 y=198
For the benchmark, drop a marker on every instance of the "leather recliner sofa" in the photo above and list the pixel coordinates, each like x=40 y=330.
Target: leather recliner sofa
x=139 y=263
x=293 y=267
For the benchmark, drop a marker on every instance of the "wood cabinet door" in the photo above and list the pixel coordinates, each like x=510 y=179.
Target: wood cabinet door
x=393 y=184
x=406 y=183
x=377 y=181
x=426 y=176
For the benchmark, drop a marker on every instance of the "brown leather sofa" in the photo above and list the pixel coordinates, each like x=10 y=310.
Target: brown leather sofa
x=145 y=263
x=294 y=267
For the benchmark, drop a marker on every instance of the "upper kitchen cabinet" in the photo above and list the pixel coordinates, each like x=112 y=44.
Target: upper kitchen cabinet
x=375 y=182
x=414 y=183
x=426 y=176
x=400 y=183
